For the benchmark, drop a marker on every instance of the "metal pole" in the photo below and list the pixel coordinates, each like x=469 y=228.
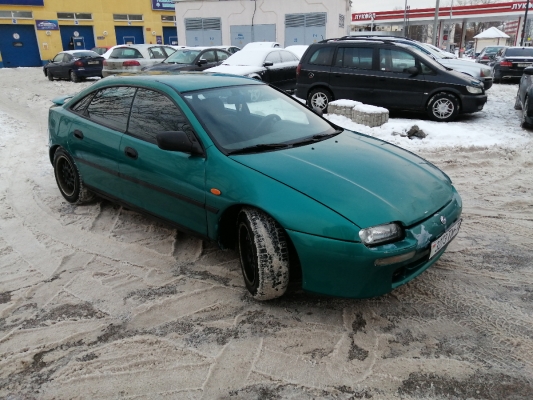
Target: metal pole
x=405 y=19
x=525 y=24
x=448 y=45
x=435 y=21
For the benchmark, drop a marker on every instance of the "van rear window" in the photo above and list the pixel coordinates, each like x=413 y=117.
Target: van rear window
x=322 y=56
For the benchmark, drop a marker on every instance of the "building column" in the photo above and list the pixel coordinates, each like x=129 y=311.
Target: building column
x=463 y=37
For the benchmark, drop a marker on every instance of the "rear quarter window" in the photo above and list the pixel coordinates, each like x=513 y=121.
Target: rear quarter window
x=111 y=107
x=322 y=56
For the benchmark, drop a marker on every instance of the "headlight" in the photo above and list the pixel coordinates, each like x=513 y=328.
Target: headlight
x=474 y=90
x=380 y=234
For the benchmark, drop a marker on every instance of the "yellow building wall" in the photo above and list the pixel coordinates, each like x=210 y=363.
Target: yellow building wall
x=102 y=20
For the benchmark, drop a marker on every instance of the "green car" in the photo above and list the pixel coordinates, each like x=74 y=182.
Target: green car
x=236 y=161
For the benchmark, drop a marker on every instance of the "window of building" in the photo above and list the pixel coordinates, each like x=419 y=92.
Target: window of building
x=16 y=14
x=128 y=17
x=74 y=16
x=168 y=18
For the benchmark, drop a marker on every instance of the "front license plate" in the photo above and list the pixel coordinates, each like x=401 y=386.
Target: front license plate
x=522 y=65
x=446 y=238
x=93 y=62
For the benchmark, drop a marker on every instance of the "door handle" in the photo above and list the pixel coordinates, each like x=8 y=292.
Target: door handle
x=77 y=133
x=131 y=152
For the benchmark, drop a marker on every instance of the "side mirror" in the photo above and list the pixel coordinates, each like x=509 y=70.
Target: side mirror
x=178 y=141
x=268 y=64
x=412 y=70
x=202 y=61
x=528 y=71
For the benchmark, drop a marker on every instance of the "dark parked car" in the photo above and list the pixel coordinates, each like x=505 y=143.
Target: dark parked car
x=523 y=102
x=192 y=59
x=349 y=214
x=510 y=62
x=385 y=74
x=74 y=65
x=487 y=54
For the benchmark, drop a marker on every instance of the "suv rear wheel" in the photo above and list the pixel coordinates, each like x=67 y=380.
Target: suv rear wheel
x=319 y=98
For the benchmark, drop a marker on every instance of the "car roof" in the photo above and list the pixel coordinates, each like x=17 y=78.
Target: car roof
x=180 y=81
x=74 y=51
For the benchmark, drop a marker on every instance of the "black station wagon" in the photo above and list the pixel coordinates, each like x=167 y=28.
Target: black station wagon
x=385 y=74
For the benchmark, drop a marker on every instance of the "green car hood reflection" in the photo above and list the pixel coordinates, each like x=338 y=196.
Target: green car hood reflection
x=353 y=176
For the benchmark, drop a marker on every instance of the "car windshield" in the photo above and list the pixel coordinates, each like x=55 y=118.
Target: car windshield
x=255 y=118
x=81 y=54
x=520 y=52
x=182 y=57
x=248 y=57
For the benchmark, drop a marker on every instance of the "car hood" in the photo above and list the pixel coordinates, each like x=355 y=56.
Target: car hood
x=368 y=181
x=236 y=69
x=168 y=67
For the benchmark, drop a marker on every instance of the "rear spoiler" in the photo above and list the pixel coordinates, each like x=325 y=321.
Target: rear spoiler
x=59 y=101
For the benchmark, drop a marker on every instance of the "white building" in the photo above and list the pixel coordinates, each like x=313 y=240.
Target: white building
x=238 y=22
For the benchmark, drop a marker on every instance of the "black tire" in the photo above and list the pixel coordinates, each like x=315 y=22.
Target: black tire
x=73 y=76
x=264 y=254
x=496 y=78
x=319 y=98
x=49 y=75
x=523 y=122
x=443 y=107
x=68 y=179
x=517 y=103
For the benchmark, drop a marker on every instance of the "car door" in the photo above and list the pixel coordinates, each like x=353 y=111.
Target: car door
x=221 y=56
x=167 y=184
x=56 y=65
x=396 y=87
x=275 y=73
x=95 y=135
x=353 y=75
x=289 y=62
x=209 y=56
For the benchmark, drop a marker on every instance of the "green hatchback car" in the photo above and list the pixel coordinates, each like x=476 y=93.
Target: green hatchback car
x=241 y=163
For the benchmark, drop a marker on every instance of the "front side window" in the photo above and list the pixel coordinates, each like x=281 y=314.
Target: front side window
x=111 y=107
x=395 y=60
x=355 y=57
x=183 y=57
x=273 y=57
x=322 y=56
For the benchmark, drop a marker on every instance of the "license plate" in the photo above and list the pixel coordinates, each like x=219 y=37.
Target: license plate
x=523 y=65
x=93 y=62
x=446 y=238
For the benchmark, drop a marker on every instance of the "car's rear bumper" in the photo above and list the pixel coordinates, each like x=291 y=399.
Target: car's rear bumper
x=473 y=103
x=87 y=73
x=509 y=73
x=348 y=269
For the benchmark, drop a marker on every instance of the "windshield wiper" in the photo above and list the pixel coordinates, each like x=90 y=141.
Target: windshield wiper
x=259 y=147
x=316 y=138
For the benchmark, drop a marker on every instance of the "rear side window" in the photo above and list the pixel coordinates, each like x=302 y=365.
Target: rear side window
x=273 y=57
x=81 y=105
x=153 y=112
x=111 y=107
x=126 y=52
x=322 y=56
x=355 y=57
x=156 y=53
x=287 y=56
x=395 y=60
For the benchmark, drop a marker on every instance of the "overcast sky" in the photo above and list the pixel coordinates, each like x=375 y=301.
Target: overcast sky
x=384 y=5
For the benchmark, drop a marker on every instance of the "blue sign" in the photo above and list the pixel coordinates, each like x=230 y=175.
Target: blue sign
x=47 y=24
x=23 y=2
x=162 y=5
x=159 y=39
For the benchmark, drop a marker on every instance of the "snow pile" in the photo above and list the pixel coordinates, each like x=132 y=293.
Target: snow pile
x=358 y=106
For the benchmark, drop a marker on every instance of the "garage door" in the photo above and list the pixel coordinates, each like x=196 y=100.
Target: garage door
x=304 y=28
x=19 y=47
x=129 y=34
x=83 y=37
x=244 y=34
x=170 y=35
x=203 y=32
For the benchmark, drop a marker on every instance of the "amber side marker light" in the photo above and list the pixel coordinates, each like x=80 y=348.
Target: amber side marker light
x=216 y=192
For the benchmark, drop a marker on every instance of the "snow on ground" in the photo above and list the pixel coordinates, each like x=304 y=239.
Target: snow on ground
x=497 y=125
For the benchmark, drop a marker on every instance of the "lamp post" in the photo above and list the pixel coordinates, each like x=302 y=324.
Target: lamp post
x=435 y=21
x=525 y=24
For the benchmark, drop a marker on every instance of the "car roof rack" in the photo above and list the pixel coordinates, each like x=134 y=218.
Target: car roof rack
x=386 y=40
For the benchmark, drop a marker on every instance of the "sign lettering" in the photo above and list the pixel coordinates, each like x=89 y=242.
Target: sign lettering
x=521 y=6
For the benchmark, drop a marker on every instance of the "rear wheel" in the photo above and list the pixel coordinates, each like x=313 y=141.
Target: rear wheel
x=264 y=254
x=319 y=98
x=74 y=77
x=517 y=103
x=523 y=121
x=68 y=179
x=497 y=77
x=443 y=107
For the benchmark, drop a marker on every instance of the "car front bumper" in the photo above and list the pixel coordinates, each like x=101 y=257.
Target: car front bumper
x=348 y=269
x=487 y=82
x=473 y=103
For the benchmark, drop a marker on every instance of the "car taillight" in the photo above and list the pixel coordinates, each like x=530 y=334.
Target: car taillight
x=105 y=62
x=506 y=64
x=485 y=58
x=78 y=63
x=298 y=69
x=131 y=63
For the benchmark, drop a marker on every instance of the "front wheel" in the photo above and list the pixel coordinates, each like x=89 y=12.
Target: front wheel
x=443 y=107
x=319 y=98
x=264 y=254
x=68 y=179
